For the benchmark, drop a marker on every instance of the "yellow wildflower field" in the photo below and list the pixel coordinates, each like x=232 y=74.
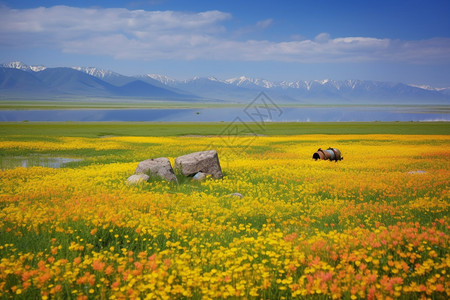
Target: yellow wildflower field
x=374 y=225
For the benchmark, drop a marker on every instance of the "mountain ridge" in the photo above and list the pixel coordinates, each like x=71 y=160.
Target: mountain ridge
x=18 y=81
x=104 y=83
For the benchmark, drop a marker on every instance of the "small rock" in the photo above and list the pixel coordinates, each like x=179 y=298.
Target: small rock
x=237 y=195
x=205 y=161
x=159 y=167
x=199 y=176
x=417 y=172
x=137 y=179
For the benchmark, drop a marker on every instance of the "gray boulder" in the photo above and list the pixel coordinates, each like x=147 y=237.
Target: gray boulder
x=236 y=195
x=205 y=161
x=137 y=179
x=417 y=172
x=159 y=167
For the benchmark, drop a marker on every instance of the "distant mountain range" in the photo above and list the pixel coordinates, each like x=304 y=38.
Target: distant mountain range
x=20 y=81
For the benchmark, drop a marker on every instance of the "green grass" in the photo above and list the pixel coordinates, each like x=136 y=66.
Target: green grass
x=98 y=129
x=137 y=103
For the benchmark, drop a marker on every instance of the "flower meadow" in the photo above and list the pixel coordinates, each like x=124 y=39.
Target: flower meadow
x=373 y=226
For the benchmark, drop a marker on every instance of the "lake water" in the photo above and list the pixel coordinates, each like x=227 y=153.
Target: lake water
x=256 y=114
x=35 y=160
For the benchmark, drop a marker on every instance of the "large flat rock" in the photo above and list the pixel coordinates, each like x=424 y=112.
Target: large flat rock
x=137 y=179
x=205 y=161
x=158 y=167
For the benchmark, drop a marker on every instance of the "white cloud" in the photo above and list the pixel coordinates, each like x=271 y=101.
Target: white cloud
x=260 y=26
x=322 y=37
x=92 y=20
x=153 y=35
x=264 y=23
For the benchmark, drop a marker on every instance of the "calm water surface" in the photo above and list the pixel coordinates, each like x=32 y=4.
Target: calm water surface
x=35 y=160
x=284 y=114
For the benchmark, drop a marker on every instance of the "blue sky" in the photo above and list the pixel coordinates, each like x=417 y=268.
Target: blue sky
x=400 y=41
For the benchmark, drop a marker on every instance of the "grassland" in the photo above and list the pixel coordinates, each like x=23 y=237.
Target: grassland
x=90 y=129
x=375 y=225
x=120 y=103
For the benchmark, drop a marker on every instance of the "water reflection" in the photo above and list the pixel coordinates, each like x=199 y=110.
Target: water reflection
x=35 y=161
x=291 y=114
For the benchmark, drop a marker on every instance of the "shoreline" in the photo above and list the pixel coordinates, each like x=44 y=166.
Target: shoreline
x=100 y=105
x=101 y=129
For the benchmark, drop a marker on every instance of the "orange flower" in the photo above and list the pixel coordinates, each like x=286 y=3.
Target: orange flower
x=109 y=270
x=97 y=265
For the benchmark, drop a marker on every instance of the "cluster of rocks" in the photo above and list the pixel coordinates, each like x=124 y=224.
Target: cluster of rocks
x=196 y=165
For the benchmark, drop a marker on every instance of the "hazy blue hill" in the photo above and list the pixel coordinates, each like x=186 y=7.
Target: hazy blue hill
x=12 y=80
x=57 y=82
x=117 y=80
x=106 y=75
x=387 y=93
x=445 y=91
x=18 y=80
x=357 y=92
x=157 y=83
x=70 y=81
x=139 y=88
x=217 y=90
x=149 y=80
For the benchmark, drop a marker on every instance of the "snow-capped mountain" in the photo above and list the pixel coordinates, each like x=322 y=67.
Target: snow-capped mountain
x=21 y=66
x=250 y=82
x=161 y=78
x=306 y=91
x=19 y=81
x=428 y=87
x=201 y=79
x=99 y=73
x=237 y=89
x=106 y=75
